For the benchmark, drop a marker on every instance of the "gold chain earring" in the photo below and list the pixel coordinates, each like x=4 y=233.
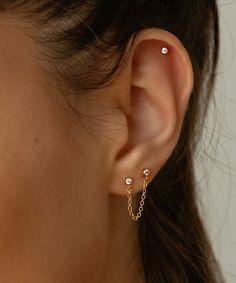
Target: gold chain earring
x=128 y=182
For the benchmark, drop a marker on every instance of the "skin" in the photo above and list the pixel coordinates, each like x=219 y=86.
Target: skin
x=63 y=206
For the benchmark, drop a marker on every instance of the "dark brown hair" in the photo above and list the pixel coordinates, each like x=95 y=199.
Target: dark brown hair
x=84 y=43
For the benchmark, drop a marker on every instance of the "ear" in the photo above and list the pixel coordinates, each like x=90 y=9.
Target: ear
x=159 y=91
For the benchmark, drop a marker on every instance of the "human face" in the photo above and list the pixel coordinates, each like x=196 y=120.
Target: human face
x=53 y=192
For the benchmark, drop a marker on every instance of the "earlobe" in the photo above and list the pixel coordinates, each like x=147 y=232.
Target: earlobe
x=161 y=82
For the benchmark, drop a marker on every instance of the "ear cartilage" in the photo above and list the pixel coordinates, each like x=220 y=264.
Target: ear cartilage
x=164 y=50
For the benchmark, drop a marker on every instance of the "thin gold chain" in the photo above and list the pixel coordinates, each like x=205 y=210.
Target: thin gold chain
x=143 y=196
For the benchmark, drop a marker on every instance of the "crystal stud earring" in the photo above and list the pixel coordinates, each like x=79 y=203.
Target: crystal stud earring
x=164 y=50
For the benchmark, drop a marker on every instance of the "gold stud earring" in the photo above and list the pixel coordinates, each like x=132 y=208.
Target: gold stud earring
x=128 y=182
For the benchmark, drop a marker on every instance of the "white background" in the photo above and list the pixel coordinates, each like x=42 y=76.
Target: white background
x=216 y=161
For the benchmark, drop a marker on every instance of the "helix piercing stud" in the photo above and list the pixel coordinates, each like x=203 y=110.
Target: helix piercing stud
x=164 y=50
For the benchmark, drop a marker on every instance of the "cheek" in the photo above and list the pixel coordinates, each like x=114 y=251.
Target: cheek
x=32 y=139
x=33 y=125
x=46 y=190
x=52 y=198
x=35 y=166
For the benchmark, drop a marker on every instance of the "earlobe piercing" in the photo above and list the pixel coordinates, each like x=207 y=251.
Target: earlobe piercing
x=164 y=50
x=128 y=182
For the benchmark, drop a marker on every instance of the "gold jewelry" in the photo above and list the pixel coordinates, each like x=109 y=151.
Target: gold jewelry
x=128 y=182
